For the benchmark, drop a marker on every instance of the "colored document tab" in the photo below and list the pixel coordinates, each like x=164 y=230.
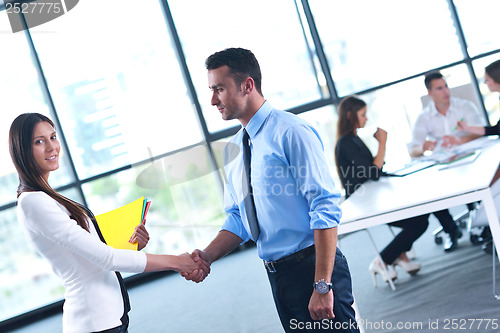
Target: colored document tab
x=117 y=226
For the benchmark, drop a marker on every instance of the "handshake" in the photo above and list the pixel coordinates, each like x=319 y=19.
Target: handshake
x=195 y=266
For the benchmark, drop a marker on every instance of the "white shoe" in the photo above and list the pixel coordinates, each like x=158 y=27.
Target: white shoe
x=376 y=268
x=410 y=267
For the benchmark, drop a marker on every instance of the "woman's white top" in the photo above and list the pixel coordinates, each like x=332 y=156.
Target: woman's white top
x=93 y=299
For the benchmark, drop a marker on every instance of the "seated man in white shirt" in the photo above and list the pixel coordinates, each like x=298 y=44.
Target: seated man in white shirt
x=438 y=120
x=435 y=127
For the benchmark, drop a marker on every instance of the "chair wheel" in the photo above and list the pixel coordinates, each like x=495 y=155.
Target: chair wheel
x=438 y=240
x=475 y=239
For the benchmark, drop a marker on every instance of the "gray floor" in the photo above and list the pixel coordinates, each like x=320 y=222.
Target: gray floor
x=452 y=288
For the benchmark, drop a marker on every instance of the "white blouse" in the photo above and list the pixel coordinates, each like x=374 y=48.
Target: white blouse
x=93 y=299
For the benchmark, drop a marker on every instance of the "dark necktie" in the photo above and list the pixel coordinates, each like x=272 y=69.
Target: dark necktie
x=247 y=189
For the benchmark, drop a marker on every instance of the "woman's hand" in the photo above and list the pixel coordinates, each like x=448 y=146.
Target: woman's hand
x=462 y=126
x=140 y=236
x=186 y=264
x=380 y=135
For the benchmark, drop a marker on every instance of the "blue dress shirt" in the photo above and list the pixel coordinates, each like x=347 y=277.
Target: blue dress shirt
x=293 y=189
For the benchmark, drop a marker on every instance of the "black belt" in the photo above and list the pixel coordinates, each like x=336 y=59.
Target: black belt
x=274 y=266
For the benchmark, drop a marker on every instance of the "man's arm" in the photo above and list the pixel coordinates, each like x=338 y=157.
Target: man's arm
x=419 y=144
x=321 y=306
x=223 y=243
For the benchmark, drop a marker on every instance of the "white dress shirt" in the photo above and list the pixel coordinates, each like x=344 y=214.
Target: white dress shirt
x=433 y=125
x=93 y=299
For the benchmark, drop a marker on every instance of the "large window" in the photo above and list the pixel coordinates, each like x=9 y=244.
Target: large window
x=20 y=92
x=369 y=43
x=118 y=87
x=479 y=20
x=116 y=76
x=271 y=29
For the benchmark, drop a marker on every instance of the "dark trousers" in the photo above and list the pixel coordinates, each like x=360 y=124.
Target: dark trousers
x=446 y=221
x=413 y=228
x=292 y=287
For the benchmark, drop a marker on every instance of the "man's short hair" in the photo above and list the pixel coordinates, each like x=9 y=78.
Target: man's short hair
x=429 y=77
x=241 y=62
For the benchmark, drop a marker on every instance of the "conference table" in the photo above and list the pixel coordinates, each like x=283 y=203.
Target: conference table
x=432 y=189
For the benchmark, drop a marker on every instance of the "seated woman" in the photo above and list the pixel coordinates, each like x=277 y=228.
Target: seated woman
x=492 y=80
x=356 y=165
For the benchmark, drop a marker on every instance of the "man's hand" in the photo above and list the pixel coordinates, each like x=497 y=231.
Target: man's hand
x=200 y=275
x=140 y=236
x=321 y=306
x=450 y=141
x=429 y=145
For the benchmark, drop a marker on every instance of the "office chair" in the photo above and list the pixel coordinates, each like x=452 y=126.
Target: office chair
x=462 y=220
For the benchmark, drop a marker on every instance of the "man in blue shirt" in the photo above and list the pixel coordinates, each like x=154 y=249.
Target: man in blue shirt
x=295 y=202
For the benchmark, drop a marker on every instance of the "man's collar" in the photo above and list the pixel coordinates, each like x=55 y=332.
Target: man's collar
x=434 y=111
x=258 y=119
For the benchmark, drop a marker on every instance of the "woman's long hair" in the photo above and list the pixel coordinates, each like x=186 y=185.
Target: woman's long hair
x=493 y=71
x=347 y=119
x=30 y=175
x=347 y=115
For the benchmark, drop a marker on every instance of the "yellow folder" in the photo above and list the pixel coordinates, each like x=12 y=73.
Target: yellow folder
x=118 y=225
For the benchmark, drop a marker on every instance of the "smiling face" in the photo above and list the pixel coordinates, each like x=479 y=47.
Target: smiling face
x=46 y=148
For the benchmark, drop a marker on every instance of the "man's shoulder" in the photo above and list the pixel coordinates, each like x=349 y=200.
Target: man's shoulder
x=286 y=117
x=286 y=122
x=428 y=109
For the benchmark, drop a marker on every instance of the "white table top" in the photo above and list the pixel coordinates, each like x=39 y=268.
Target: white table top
x=406 y=194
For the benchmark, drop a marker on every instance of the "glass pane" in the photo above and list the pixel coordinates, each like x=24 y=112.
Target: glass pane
x=365 y=49
x=186 y=210
x=479 y=20
x=287 y=70
x=21 y=93
x=27 y=279
x=490 y=99
x=116 y=84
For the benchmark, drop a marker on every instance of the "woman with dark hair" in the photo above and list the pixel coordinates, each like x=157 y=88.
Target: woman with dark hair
x=356 y=165
x=67 y=235
x=492 y=80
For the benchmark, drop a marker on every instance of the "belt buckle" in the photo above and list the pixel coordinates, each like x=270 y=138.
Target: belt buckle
x=270 y=266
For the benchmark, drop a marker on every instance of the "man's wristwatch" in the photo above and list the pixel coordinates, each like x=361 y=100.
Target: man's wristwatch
x=322 y=286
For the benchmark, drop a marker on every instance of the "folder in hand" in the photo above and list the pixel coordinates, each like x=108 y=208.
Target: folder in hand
x=118 y=225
